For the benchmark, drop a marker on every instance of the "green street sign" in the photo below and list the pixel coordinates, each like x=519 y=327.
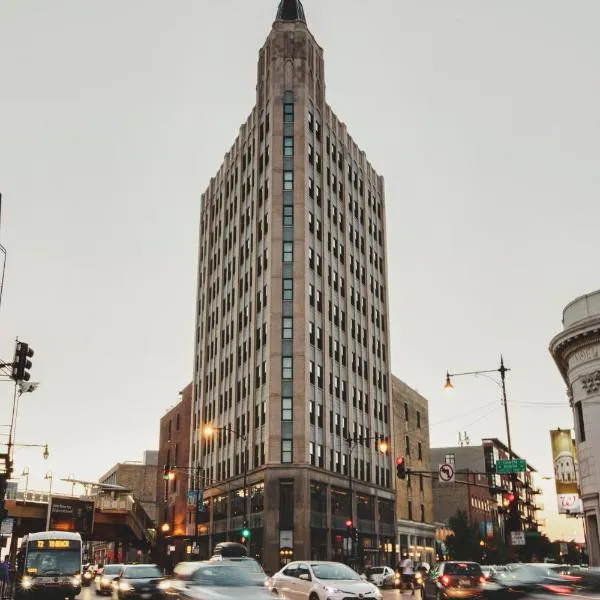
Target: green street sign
x=506 y=467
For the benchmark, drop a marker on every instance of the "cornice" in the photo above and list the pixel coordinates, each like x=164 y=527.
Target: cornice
x=571 y=340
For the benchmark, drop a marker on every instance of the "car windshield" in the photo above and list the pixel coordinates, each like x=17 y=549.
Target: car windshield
x=467 y=569
x=225 y=576
x=112 y=569
x=65 y=562
x=334 y=571
x=141 y=572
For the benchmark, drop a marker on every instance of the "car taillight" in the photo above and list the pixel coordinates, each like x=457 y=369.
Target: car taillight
x=558 y=589
x=482 y=579
x=445 y=580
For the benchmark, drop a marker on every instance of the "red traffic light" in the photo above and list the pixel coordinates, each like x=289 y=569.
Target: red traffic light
x=399 y=460
x=510 y=497
x=348 y=523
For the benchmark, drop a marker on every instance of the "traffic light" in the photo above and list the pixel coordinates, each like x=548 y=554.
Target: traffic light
x=245 y=533
x=510 y=498
x=168 y=474
x=349 y=528
x=400 y=468
x=21 y=363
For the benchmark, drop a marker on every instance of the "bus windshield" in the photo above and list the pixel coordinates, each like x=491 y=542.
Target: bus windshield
x=51 y=562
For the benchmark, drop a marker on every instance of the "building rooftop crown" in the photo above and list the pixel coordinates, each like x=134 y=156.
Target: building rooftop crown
x=290 y=10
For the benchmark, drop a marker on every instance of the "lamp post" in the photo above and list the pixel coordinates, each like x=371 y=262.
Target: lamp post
x=25 y=474
x=353 y=442
x=196 y=481
x=209 y=431
x=514 y=518
x=49 y=477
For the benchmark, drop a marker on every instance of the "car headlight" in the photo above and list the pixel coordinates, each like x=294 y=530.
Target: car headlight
x=76 y=581
x=331 y=590
x=26 y=583
x=104 y=581
x=124 y=586
x=165 y=584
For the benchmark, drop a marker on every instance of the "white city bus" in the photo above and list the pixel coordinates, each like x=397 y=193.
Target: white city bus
x=49 y=565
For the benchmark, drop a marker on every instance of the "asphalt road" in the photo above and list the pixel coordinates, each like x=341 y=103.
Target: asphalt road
x=397 y=594
x=89 y=593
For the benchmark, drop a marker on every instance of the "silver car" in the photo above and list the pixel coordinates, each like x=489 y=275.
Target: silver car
x=222 y=580
x=322 y=580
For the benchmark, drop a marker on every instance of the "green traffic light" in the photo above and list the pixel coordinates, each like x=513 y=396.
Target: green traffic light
x=245 y=533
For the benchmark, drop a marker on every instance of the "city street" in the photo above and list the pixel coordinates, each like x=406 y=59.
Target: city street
x=89 y=593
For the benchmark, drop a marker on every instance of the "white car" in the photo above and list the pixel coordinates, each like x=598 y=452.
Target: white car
x=384 y=576
x=320 y=580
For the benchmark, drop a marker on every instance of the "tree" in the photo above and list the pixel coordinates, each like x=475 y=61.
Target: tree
x=464 y=542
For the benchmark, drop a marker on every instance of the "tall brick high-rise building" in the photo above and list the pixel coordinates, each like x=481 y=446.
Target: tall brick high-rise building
x=292 y=342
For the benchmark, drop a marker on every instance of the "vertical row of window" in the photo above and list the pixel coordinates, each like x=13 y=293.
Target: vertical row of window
x=287 y=323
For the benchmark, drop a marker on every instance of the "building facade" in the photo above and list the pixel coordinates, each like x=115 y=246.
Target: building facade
x=174 y=454
x=477 y=490
x=414 y=497
x=139 y=477
x=576 y=352
x=292 y=349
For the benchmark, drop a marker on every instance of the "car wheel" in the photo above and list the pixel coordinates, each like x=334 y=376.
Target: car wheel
x=313 y=596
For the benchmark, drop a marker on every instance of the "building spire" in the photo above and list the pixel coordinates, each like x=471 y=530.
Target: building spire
x=290 y=10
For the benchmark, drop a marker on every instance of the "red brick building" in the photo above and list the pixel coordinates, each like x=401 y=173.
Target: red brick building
x=171 y=495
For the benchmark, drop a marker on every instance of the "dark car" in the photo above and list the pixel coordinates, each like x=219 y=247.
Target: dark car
x=454 y=579
x=140 y=581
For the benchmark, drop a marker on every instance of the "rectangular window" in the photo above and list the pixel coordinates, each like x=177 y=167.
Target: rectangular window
x=288 y=328
x=287 y=369
x=288 y=145
x=288 y=112
x=449 y=459
x=288 y=180
x=288 y=252
x=580 y=422
x=418 y=420
x=286 y=504
x=420 y=451
x=288 y=289
x=288 y=216
x=286 y=409
x=286 y=451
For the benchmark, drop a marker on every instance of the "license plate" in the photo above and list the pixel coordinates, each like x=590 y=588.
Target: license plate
x=146 y=595
x=465 y=582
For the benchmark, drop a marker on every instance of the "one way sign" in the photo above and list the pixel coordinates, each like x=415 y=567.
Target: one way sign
x=446 y=473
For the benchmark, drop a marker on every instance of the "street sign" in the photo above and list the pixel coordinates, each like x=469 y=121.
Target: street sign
x=6 y=528
x=517 y=538
x=446 y=472
x=506 y=467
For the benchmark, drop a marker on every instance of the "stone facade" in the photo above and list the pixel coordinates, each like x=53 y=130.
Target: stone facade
x=576 y=352
x=292 y=347
x=414 y=497
x=140 y=478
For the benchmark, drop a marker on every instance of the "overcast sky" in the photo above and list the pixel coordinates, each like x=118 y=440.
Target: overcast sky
x=482 y=116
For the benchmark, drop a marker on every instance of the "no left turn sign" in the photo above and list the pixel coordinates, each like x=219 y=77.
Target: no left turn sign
x=446 y=472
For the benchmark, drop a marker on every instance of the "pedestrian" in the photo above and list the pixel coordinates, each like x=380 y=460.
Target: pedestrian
x=408 y=566
x=4 y=577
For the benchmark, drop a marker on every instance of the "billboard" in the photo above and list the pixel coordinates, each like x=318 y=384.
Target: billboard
x=566 y=475
x=70 y=514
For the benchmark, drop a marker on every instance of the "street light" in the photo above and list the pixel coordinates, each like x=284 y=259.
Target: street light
x=165 y=528
x=209 y=431
x=502 y=384
x=353 y=442
x=45 y=453
x=49 y=477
